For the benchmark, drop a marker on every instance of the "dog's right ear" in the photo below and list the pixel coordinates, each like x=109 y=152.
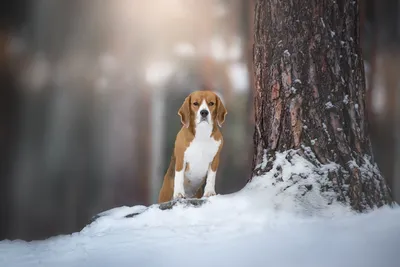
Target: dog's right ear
x=221 y=112
x=184 y=112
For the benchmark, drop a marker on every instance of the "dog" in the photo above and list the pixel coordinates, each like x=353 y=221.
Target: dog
x=194 y=162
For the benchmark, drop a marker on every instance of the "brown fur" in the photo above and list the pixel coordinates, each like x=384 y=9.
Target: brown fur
x=187 y=112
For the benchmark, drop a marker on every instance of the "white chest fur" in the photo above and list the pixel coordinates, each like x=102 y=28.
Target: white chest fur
x=199 y=156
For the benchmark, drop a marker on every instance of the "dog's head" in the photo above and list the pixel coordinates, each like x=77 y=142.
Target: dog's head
x=202 y=107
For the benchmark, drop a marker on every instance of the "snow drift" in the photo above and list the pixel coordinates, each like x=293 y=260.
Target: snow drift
x=265 y=224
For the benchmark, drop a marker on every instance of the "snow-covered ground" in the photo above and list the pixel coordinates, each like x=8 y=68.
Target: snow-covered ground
x=262 y=225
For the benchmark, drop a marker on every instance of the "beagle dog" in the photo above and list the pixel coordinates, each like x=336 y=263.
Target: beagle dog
x=198 y=144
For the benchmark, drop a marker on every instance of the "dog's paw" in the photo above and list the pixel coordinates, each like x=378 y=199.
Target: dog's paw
x=179 y=195
x=209 y=194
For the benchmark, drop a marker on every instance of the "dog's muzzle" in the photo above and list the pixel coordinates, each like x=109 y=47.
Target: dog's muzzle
x=204 y=114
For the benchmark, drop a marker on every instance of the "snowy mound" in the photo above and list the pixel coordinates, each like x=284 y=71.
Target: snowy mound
x=265 y=224
x=297 y=186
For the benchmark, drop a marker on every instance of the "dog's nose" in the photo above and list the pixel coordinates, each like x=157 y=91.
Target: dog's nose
x=204 y=113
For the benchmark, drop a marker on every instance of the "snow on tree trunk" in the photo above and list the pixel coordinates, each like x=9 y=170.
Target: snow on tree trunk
x=310 y=97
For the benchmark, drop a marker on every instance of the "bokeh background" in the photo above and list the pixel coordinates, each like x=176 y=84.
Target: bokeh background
x=89 y=93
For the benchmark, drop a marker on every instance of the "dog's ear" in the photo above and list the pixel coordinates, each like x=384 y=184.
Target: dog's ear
x=221 y=112
x=184 y=112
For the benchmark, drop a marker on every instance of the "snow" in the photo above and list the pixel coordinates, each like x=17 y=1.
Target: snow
x=264 y=224
x=329 y=105
x=322 y=21
x=297 y=81
x=346 y=99
x=293 y=185
x=326 y=131
x=313 y=141
x=286 y=53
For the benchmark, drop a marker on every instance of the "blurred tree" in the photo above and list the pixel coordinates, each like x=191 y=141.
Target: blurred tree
x=248 y=22
x=8 y=129
x=310 y=94
x=384 y=86
x=12 y=15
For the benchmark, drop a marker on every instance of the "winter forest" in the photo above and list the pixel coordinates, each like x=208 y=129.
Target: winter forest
x=309 y=172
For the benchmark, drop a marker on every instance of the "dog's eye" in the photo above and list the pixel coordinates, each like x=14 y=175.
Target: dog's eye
x=196 y=103
x=211 y=103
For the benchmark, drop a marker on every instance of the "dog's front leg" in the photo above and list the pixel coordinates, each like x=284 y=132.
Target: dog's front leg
x=209 y=189
x=179 y=189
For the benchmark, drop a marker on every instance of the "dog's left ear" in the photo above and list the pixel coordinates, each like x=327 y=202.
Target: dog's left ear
x=221 y=112
x=184 y=112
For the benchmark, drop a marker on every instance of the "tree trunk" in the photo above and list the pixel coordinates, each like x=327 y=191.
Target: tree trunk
x=310 y=95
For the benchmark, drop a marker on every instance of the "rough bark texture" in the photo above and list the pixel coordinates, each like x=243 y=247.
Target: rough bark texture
x=310 y=93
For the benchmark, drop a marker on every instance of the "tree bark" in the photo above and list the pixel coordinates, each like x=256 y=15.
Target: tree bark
x=310 y=95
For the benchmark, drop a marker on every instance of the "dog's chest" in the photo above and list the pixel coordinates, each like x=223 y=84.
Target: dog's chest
x=199 y=155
